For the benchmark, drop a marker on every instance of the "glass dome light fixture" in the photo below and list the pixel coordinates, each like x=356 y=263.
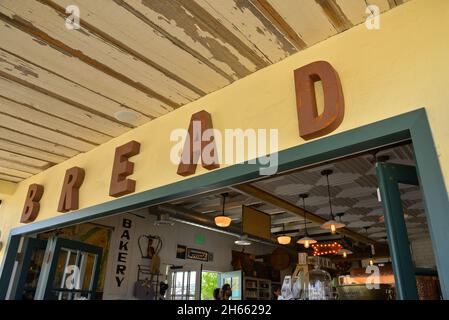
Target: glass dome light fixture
x=331 y=224
x=284 y=239
x=306 y=240
x=222 y=220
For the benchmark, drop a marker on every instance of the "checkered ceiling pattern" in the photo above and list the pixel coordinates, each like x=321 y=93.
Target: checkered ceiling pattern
x=353 y=192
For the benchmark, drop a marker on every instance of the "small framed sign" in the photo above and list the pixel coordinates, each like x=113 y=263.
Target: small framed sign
x=195 y=254
x=181 y=252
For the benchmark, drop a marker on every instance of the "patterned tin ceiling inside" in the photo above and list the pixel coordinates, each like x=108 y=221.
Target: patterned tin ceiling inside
x=354 y=193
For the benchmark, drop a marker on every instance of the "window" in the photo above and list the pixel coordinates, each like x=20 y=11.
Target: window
x=183 y=285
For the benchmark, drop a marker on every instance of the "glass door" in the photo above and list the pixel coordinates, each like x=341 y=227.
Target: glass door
x=32 y=260
x=184 y=283
x=70 y=271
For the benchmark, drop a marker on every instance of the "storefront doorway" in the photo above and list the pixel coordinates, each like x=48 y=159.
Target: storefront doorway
x=59 y=269
x=396 y=187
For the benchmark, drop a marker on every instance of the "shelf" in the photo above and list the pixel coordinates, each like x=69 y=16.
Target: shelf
x=256 y=289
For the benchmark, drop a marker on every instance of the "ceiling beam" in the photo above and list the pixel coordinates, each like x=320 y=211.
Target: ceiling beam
x=278 y=202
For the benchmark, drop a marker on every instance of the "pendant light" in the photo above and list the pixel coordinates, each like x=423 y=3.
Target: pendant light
x=222 y=220
x=344 y=252
x=371 y=248
x=371 y=255
x=306 y=240
x=284 y=239
x=331 y=224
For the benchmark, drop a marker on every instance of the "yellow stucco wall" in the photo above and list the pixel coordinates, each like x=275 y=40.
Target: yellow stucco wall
x=401 y=67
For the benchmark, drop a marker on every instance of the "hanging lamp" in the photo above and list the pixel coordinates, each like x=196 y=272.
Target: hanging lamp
x=344 y=252
x=371 y=248
x=371 y=255
x=306 y=240
x=284 y=239
x=331 y=224
x=222 y=220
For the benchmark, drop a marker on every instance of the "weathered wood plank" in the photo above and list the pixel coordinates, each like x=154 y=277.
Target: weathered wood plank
x=17 y=158
x=250 y=25
x=354 y=10
x=36 y=77
x=71 y=67
x=307 y=18
x=335 y=14
x=209 y=43
x=44 y=133
x=19 y=167
x=15 y=173
x=31 y=152
x=4 y=177
x=45 y=103
x=95 y=51
x=382 y=4
x=270 y=12
x=30 y=141
x=48 y=121
x=127 y=31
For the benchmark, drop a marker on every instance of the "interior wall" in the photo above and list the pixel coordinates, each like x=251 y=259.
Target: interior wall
x=220 y=245
x=399 y=68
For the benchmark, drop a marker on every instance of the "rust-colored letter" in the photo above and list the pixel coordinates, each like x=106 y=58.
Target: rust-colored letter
x=32 y=206
x=69 y=199
x=312 y=125
x=120 y=185
x=195 y=145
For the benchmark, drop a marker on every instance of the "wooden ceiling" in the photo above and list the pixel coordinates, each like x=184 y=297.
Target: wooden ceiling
x=60 y=88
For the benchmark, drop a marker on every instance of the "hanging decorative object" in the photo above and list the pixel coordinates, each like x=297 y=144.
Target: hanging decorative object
x=222 y=220
x=322 y=249
x=306 y=240
x=344 y=252
x=284 y=239
x=371 y=255
x=331 y=224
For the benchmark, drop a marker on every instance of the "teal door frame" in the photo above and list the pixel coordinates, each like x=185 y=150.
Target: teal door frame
x=413 y=126
x=389 y=176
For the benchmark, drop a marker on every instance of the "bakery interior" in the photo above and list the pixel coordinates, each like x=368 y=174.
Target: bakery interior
x=315 y=233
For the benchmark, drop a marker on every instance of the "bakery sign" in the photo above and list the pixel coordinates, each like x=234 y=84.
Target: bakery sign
x=197 y=143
